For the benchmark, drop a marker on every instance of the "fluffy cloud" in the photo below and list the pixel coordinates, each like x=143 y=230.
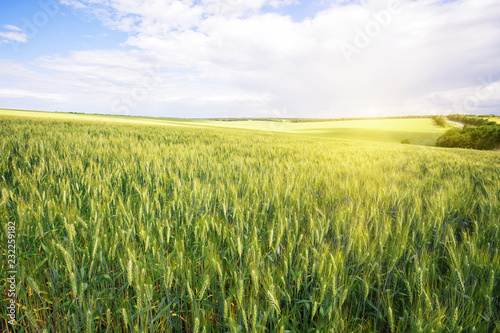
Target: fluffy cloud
x=14 y=34
x=73 y=3
x=12 y=27
x=242 y=58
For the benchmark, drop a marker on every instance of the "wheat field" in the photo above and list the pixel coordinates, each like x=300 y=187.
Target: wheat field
x=127 y=227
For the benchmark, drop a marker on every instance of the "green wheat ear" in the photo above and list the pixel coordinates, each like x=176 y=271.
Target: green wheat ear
x=460 y=282
x=240 y=289
x=125 y=317
x=31 y=319
x=204 y=287
x=254 y=317
x=391 y=319
x=89 y=323
x=255 y=281
x=491 y=282
x=149 y=292
x=196 y=325
x=39 y=230
x=33 y=285
x=240 y=246
x=130 y=272
x=420 y=281
x=73 y=285
x=108 y=319
x=94 y=250
x=271 y=235
x=245 y=319
x=190 y=292
x=273 y=301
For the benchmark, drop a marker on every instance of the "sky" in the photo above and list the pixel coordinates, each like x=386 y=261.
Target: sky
x=251 y=58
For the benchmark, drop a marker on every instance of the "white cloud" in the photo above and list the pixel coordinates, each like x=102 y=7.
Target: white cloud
x=230 y=58
x=73 y=3
x=282 y=3
x=19 y=93
x=14 y=36
x=12 y=27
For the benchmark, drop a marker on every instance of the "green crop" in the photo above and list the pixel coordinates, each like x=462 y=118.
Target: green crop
x=124 y=227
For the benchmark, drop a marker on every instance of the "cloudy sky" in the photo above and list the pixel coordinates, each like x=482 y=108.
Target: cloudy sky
x=251 y=58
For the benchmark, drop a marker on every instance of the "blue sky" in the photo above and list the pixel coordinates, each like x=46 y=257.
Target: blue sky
x=251 y=58
x=52 y=28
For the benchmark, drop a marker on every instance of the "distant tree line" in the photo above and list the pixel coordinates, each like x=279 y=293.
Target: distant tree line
x=311 y=120
x=470 y=120
x=314 y=120
x=478 y=133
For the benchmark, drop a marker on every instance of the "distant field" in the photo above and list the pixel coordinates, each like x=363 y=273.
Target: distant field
x=495 y=119
x=420 y=131
x=93 y=117
x=129 y=225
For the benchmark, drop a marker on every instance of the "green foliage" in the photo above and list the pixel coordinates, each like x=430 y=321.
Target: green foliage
x=405 y=141
x=439 y=121
x=142 y=228
x=482 y=137
x=471 y=120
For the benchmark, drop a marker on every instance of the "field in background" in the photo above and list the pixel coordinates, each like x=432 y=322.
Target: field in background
x=144 y=227
x=420 y=131
x=79 y=117
x=495 y=119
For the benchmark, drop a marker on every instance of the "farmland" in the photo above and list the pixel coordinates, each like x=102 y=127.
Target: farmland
x=421 y=131
x=495 y=119
x=152 y=225
x=418 y=131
